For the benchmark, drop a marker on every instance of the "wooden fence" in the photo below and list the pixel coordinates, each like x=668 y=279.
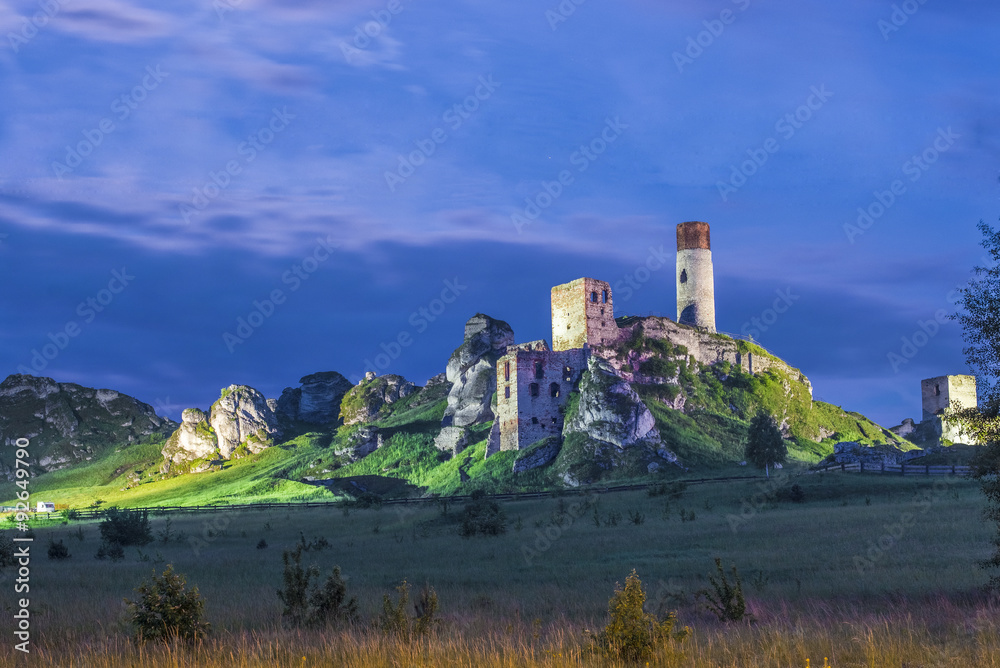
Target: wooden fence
x=857 y=467
x=899 y=469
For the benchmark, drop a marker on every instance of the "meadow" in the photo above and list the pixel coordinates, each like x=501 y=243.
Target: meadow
x=863 y=570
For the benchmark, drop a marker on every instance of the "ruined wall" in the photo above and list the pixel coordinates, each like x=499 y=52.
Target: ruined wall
x=695 y=278
x=706 y=348
x=532 y=386
x=938 y=393
x=582 y=313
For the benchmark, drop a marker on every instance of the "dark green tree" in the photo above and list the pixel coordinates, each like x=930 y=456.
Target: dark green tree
x=764 y=443
x=979 y=315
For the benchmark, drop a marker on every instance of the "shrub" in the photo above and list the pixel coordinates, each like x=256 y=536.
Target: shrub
x=166 y=610
x=58 y=551
x=6 y=551
x=726 y=598
x=393 y=619
x=126 y=527
x=261 y=544
x=307 y=604
x=482 y=516
x=112 y=551
x=632 y=634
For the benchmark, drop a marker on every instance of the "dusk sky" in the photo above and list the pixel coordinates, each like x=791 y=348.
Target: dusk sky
x=166 y=170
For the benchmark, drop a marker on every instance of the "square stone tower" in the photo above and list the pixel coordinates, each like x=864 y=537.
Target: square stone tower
x=582 y=313
x=938 y=394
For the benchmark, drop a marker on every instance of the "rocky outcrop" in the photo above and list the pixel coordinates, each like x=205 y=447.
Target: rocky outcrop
x=609 y=410
x=316 y=401
x=706 y=348
x=493 y=440
x=538 y=455
x=472 y=371
x=850 y=452
x=243 y=416
x=194 y=439
x=452 y=439
x=362 y=442
x=367 y=401
x=67 y=423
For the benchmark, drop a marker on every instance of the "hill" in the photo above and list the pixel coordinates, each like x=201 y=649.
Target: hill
x=662 y=402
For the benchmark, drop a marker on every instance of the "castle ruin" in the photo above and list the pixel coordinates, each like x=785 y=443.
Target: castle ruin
x=695 y=276
x=941 y=395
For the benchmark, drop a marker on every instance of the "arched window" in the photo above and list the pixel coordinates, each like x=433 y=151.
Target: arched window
x=533 y=389
x=684 y=275
x=604 y=294
x=506 y=370
x=554 y=390
x=937 y=390
x=534 y=420
x=506 y=392
x=593 y=296
x=539 y=370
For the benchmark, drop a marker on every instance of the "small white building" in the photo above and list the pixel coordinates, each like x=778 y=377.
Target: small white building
x=45 y=507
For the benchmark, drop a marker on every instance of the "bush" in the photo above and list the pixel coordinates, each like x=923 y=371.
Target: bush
x=632 y=634
x=482 y=516
x=126 y=527
x=58 y=551
x=261 y=544
x=166 y=610
x=6 y=551
x=112 y=551
x=393 y=619
x=307 y=604
x=726 y=598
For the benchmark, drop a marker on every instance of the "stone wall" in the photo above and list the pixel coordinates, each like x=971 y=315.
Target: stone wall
x=706 y=348
x=582 y=313
x=532 y=386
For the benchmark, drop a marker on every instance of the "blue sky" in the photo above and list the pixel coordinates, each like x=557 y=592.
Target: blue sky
x=213 y=154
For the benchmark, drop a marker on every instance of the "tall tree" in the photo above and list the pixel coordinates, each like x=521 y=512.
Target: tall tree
x=980 y=320
x=764 y=443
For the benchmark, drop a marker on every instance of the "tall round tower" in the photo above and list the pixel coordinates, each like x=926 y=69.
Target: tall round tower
x=695 y=280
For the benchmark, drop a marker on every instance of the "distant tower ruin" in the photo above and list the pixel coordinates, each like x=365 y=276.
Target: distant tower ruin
x=695 y=278
x=938 y=395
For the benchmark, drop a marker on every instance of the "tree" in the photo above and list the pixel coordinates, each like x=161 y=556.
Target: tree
x=764 y=443
x=979 y=316
x=167 y=610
